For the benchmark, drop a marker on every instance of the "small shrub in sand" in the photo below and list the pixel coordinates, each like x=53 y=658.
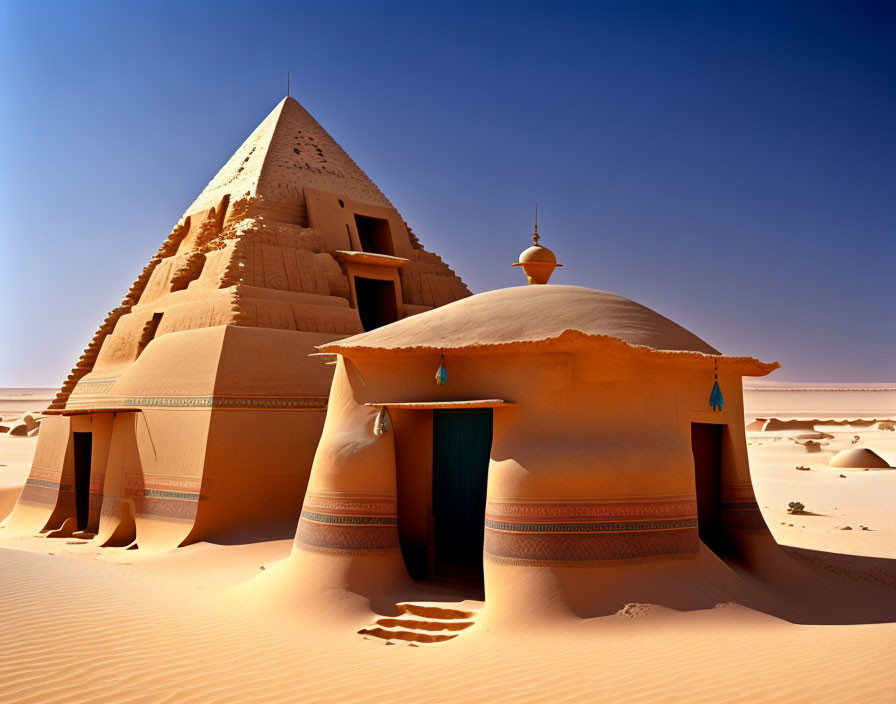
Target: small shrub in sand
x=796 y=507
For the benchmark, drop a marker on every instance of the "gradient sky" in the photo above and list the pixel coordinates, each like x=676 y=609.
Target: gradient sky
x=731 y=165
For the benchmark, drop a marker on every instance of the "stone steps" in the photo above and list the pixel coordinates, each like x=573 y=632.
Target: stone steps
x=423 y=622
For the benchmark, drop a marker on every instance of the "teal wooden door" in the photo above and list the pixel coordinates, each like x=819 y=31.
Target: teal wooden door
x=462 y=442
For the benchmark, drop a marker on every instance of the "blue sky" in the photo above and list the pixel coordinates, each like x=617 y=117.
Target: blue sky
x=731 y=165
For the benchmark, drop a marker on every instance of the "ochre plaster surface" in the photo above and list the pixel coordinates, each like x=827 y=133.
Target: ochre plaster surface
x=204 y=404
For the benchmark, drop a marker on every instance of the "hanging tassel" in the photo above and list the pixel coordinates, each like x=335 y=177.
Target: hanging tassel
x=715 y=398
x=716 y=401
x=381 y=425
x=441 y=374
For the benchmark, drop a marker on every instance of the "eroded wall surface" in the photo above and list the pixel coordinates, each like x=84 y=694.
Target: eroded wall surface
x=204 y=366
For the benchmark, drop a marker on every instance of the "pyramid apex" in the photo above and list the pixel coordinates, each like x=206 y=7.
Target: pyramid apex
x=287 y=152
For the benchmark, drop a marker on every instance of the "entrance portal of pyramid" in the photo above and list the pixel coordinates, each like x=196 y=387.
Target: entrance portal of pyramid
x=203 y=404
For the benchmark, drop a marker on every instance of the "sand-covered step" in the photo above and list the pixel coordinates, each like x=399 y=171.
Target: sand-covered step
x=420 y=624
x=424 y=622
x=406 y=634
x=430 y=609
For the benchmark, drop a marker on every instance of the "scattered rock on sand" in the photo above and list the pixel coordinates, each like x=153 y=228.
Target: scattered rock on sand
x=846 y=528
x=802 y=468
x=812 y=445
x=636 y=610
x=19 y=430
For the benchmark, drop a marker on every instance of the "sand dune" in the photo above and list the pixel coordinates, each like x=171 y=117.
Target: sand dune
x=143 y=631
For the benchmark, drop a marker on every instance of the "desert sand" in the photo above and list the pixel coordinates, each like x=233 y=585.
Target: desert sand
x=214 y=622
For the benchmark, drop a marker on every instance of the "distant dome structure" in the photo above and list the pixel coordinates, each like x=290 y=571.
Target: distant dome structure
x=858 y=458
x=538 y=262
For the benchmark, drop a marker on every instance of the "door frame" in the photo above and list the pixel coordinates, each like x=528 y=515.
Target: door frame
x=83 y=461
x=432 y=556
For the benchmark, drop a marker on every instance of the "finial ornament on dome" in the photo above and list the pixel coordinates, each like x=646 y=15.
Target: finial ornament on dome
x=538 y=262
x=535 y=236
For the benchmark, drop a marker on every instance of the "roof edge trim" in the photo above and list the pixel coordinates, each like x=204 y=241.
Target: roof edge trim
x=748 y=366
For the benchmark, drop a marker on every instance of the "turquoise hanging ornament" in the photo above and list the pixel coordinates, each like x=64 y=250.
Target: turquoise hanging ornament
x=715 y=398
x=381 y=424
x=441 y=374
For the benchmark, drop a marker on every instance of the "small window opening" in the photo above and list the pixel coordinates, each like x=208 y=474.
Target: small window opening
x=149 y=332
x=374 y=234
x=376 y=301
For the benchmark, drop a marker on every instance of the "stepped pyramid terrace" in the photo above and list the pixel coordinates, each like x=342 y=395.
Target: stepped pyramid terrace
x=196 y=408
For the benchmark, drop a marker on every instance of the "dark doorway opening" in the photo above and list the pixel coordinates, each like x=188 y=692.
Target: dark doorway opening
x=83 y=451
x=376 y=302
x=706 y=446
x=462 y=442
x=374 y=234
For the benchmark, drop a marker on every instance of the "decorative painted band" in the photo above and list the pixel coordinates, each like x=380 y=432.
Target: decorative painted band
x=634 y=508
x=615 y=527
x=95 y=501
x=94 y=386
x=742 y=516
x=538 y=548
x=167 y=510
x=307 y=403
x=351 y=504
x=42 y=494
x=174 y=510
x=636 y=528
x=42 y=482
x=349 y=522
x=341 y=537
x=737 y=493
x=163 y=497
x=740 y=506
x=110 y=506
x=164 y=494
x=584 y=564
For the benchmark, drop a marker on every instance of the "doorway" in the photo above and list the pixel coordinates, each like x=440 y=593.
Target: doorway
x=374 y=234
x=83 y=450
x=376 y=301
x=706 y=446
x=462 y=441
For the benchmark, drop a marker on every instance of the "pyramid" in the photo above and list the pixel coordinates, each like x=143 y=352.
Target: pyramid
x=196 y=408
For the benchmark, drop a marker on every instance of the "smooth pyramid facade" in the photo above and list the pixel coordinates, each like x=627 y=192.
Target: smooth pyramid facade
x=196 y=409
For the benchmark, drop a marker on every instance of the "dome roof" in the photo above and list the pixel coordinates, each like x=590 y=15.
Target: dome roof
x=528 y=314
x=537 y=253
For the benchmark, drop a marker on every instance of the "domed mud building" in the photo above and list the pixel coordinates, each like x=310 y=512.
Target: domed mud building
x=545 y=439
